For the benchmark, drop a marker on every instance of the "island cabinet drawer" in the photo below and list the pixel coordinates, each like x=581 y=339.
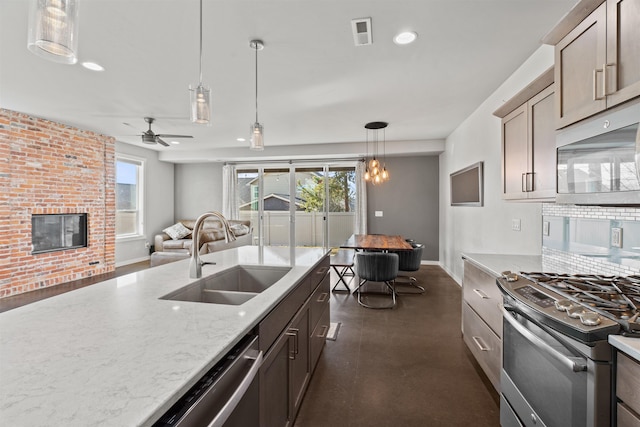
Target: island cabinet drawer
x=628 y=382
x=319 y=273
x=318 y=337
x=274 y=323
x=320 y=300
x=480 y=291
x=484 y=344
x=626 y=417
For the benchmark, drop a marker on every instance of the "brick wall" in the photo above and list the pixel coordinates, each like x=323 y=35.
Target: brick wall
x=50 y=168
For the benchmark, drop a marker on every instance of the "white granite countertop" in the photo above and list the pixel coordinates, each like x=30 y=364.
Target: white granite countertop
x=114 y=354
x=630 y=346
x=495 y=264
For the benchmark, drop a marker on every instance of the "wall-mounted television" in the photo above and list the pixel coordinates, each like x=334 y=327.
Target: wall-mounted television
x=467 y=186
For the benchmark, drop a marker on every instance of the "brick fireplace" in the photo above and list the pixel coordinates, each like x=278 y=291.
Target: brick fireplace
x=51 y=168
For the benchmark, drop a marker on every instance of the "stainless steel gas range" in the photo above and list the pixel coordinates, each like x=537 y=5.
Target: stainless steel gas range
x=557 y=363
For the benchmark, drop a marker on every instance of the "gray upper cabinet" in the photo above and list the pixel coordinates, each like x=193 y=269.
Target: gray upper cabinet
x=528 y=142
x=597 y=62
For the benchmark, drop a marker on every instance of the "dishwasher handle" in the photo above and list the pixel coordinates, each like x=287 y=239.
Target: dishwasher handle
x=228 y=408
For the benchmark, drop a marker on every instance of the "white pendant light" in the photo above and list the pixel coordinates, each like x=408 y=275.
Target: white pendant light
x=200 y=95
x=257 y=131
x=53 y=30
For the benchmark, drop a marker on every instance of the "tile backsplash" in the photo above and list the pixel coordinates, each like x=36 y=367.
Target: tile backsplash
x=585 y=239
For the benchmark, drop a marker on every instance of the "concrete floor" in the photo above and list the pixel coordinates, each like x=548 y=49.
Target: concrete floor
x=402 y=367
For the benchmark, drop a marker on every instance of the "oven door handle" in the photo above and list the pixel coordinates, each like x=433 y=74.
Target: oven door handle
x=576 y=364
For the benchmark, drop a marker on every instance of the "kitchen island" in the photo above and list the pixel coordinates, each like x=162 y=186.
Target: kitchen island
x=116 y=354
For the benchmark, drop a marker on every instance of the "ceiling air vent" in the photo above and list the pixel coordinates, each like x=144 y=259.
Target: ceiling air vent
x=361 y=31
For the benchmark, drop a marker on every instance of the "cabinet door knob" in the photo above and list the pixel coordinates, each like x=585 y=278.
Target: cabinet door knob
x=595 y=84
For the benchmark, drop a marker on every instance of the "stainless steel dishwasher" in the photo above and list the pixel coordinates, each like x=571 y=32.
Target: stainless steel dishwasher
x=228 y=395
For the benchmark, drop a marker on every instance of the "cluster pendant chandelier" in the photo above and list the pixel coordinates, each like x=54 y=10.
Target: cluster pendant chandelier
x=257 y=135
x=53 y=30
x=376 y=171
x=200 y=95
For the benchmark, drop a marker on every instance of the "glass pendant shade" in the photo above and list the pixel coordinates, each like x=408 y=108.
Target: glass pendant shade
x=257 y=139
x=200 y=104
x=376 y=171
x=53 y=30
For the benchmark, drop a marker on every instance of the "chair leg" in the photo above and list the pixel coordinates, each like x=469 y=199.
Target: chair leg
x=389 y=286
x=409 y=281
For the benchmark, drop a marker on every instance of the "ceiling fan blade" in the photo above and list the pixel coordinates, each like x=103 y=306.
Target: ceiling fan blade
x=166 y=135
x=161 y=142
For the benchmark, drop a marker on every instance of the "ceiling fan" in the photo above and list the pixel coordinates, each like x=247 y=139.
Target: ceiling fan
x=150 y=137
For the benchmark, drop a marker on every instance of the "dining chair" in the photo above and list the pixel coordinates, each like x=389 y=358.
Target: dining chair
x=409 y=261
x=377 y=267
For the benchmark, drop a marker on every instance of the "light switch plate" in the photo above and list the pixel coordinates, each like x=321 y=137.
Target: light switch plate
x=515 y=224
x=616 y=237
x=379 y=213
x=545 y=228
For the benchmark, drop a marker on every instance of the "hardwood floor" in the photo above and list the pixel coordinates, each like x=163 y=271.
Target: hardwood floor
x=402 y=367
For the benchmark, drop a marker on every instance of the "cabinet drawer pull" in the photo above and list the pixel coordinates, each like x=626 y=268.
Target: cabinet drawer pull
x=604 y=80
x=481 y=346
x=322 y=271
x=595 y=84
x=481 y=294
x=325 y=329
x=323 y=297
x=293 y=332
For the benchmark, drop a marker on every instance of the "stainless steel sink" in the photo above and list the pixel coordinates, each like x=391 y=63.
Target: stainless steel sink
x=231 y=287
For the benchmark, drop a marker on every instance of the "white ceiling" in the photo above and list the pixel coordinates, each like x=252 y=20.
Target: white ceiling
x=316 y=89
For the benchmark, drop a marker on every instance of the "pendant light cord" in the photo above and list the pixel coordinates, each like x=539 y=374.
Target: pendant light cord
x=256 y=48
x=200 y=42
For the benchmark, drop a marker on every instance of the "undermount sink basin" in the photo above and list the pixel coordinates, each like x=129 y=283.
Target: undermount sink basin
x=231 y=287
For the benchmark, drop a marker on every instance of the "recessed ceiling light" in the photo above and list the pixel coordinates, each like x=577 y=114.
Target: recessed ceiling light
x=92 y=66
x=240 y=139
x=405 y=37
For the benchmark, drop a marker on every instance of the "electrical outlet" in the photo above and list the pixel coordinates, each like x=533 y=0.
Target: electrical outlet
x=545 y=228
x=515 y=224
x=147 y=245
x=616 y=237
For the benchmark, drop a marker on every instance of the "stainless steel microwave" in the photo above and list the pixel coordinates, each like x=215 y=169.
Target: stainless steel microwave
x=598 y=160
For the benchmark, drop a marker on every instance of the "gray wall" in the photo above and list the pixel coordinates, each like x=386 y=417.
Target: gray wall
x=198 y=189
x=408 y=201
x=158 y=203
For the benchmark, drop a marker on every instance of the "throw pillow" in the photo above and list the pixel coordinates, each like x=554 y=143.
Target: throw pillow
x=177 y=231
x=239 y=229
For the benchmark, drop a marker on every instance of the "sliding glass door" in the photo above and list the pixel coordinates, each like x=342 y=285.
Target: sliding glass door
x=311 y=206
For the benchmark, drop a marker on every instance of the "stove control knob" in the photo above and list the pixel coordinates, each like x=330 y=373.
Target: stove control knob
x=563 y=304
x=590 y=319
x=575 y=312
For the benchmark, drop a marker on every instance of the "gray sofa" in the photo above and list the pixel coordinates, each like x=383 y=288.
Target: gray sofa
x=211 y=237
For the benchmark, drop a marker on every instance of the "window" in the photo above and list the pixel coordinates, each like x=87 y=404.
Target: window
x=129 y=196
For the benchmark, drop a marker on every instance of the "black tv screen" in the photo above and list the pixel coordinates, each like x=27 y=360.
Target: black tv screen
x=467 y=186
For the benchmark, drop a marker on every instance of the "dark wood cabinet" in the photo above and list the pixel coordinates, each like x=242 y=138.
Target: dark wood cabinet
x=292 y=352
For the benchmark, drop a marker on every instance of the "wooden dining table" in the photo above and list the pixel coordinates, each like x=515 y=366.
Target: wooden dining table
x=376 y=242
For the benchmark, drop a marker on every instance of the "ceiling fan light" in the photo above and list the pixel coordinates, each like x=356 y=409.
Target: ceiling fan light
x=257 y=137
x=53 y=30
x=200 y=104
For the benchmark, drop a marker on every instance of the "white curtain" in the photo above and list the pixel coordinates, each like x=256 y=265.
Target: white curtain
x=361 y=199
x=229 y=193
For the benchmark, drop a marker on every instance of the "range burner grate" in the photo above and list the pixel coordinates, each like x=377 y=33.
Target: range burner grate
x=614 y=297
